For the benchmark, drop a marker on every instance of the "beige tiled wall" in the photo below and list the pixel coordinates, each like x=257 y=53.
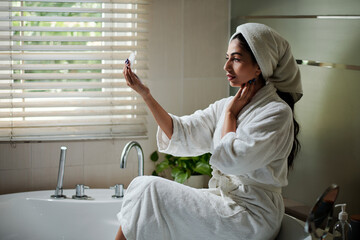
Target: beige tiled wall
x=34 y=166
x=188 y=41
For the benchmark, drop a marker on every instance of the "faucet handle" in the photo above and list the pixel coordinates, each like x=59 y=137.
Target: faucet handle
x=119 y=190
x=80 y=191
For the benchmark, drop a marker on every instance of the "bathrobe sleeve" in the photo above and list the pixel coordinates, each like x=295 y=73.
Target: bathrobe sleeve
x=192 y=134
x=266 y=137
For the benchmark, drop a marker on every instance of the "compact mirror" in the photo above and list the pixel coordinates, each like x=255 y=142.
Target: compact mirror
x=320 y=217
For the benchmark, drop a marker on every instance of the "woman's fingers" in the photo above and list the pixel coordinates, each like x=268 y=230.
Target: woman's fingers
x=133 y=81
x=242 y=97
x=239 y=92
x=243 y=91
x=248 y=91
x=129 y=75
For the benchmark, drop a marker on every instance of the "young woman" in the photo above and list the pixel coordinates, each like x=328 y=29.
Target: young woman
x=252 y=138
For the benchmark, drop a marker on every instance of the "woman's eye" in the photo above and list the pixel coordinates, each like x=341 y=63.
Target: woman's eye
x=233 y=59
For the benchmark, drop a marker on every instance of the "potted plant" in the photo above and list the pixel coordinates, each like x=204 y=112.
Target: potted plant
x=181 y=168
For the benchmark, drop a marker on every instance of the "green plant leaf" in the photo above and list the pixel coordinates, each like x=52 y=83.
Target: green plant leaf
x=162 y=166
x=203 y=168
x=154 y=173
x=181 y=163
x=205 y=157
x=154 y=156
x=181 y=177
x=185 y=158
x=183 y=167
x=176 y=171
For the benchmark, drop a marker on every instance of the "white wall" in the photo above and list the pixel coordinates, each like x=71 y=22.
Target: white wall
x=188 y=41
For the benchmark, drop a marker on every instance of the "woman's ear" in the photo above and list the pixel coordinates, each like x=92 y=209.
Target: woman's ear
x=258 y=70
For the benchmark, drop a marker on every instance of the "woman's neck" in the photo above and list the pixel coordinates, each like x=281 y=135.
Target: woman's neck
x=259 y=83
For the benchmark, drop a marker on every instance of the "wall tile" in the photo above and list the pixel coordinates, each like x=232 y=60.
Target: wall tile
x=44 y=178
x=121 y=176
x=74 y=153
x=102 y=152
x=73 y=175
x=213 y=89
x=15 y=156
x=107 y=175
x=47 y=154
x=165 y=40
x=12 y=181
x=169 y=94
x=206 y=36
x=44 y=155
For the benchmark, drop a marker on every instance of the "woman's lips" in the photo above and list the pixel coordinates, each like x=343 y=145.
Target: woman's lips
x=230 y=77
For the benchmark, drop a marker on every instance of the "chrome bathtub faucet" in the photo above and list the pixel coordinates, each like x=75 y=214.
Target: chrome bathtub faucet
x=59 y=186
x=80 y=192
x=119 y=191
x=140 y=154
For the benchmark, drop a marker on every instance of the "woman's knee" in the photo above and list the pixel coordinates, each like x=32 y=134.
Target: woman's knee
x=120 y=235
x=143 y=181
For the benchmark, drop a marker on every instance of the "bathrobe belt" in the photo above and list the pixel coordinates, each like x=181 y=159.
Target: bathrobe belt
x=250 y=182
x=227 y=183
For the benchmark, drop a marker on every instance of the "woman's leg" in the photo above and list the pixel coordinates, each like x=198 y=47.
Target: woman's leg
x=120 y=235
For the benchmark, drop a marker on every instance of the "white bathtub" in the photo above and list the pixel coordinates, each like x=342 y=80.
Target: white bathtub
x=36 y=216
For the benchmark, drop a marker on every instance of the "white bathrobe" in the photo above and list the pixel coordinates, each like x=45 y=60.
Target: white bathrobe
x=249 y=168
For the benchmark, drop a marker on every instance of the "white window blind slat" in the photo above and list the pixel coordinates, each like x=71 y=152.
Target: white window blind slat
x=70 y=56
x=61 y=67
x=145 y=2
x=73 y=19
x=73 y=9
x=141 y=66
x=54 y=95
x=69 y=133
x=44 y=76
x=75 y=112
x=70 y=48
x=61 y=85
x=88 y=121
x=128 y=29
x=72 y=39
x=93 y=102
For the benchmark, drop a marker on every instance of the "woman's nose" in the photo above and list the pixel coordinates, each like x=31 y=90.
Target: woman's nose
x=227 y=65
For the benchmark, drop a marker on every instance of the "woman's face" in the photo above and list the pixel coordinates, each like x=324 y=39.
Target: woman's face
x=239 y=66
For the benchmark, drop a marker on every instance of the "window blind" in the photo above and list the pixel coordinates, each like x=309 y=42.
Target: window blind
x=61 y=69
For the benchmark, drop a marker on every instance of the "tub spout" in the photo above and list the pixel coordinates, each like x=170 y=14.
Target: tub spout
x=140 y=154
x=59 y=186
